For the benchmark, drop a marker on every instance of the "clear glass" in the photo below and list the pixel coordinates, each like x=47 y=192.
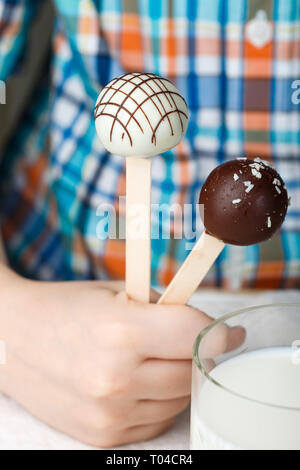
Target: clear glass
x=248 y=398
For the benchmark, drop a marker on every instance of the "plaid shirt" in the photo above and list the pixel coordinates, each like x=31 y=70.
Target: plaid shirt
x=237 y=80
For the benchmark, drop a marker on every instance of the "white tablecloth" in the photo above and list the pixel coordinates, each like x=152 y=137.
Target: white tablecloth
x=19 y=430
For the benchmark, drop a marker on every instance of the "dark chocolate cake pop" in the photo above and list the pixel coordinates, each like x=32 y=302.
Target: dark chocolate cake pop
x=244 y=201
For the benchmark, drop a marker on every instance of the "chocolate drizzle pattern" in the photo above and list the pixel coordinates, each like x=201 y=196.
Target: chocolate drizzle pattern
x=143 y=82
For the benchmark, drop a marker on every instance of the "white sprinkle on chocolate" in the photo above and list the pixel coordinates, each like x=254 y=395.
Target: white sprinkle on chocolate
x=276 y=181
x=235 y=177
x=257 y=166
x=241 y=158
x=257 y=174
x=269 y=223
x=249 y=186
x=236 y=201
x=278 y=190
x=264 y=162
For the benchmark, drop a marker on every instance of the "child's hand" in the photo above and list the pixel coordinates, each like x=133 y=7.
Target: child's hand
x=95 y=365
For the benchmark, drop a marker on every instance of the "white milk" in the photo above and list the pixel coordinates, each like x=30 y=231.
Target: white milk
x=222 y=420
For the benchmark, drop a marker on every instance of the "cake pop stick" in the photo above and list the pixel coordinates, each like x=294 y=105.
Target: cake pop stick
x=193 y=270
x=138 y=245
x=245 y=202
x=139 y=115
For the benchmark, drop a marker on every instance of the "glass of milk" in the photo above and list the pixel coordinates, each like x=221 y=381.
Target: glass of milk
x=249 y=398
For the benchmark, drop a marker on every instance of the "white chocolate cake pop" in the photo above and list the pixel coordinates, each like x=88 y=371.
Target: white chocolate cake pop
x=140 y=114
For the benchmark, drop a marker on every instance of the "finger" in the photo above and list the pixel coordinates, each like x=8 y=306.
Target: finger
x=119 y=286
x=220 y=339
x=236 y=337
x=116 y=286
x=168 y=331
x=143 y=433
x=208 y=364
x=172 y=379
x=154 y=296
x=152 y=411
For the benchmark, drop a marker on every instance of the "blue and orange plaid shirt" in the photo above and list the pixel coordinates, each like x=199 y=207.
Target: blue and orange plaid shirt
x=236 y=62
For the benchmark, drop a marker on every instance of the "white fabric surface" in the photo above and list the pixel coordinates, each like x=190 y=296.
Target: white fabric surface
x=19 y=430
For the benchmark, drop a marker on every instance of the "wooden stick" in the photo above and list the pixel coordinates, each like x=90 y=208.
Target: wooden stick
x=193 y=270
x=138 y=228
